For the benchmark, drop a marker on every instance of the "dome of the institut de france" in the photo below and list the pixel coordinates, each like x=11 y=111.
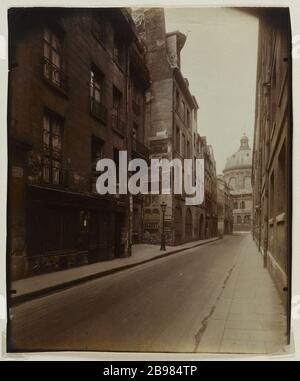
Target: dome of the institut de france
x=237 y=174
x=237 y=171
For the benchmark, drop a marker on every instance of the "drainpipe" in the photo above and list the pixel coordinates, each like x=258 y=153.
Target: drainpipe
x=129 y=148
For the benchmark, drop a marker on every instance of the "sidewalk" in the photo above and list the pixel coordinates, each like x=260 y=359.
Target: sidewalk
x=28 y=288
x=247 y=316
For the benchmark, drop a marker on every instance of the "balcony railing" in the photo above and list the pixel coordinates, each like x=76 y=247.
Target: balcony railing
x=136 y=107
x=60 y=180
x=118 y=125
x=50 y=177
x=98 y=110
x=140 y=149
x=55 y=75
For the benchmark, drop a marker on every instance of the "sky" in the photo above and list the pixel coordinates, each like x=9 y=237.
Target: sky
x=219 y=59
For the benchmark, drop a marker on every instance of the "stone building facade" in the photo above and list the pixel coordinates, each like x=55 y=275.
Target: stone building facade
x=237 y=175
x=77 y=85
x=171 y=125
x=225 y=207
x=272 y=151
x=210 y=187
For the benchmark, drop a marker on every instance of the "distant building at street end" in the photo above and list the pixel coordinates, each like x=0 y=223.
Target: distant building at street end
x=237 y=175
x=225 y=207
x=272 y=149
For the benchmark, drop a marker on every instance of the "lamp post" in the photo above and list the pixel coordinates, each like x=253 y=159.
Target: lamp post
x=163 y=206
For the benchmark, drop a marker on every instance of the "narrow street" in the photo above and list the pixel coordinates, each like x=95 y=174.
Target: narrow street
x=164 y=305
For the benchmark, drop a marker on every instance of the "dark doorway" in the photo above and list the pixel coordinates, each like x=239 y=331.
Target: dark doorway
x=100 y=240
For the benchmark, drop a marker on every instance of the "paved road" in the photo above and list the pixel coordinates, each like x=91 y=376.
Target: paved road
x=158 y=306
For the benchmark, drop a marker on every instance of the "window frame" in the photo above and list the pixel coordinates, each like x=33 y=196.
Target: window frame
x=117 y=111
x=53 y=69
x=97 y=83
x=51 y=155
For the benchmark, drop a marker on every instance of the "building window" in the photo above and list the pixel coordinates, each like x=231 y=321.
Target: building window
x=134 y=131
x=199 y=147
x=136 y=100
x=117 y=102
x=52 y=172
x=194 y=171
x=232 y=182
x=96 y=85
x=247 y=219
x=183 y=146
x=242 y=205
x=282 y=181
x=235 y=205
x=188 y=118
x=177 y=139
x=247 y=182
x=97 y=94
x=188 y=150
x=116 y=160
x=97 y=153
x=84 y=221
x=117 y=123
x=182 y=110
x=99 y=29
x=53 y=59
x=118 y=52
x=238 y=219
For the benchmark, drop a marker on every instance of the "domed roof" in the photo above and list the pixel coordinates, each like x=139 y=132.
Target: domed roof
x=242 y=158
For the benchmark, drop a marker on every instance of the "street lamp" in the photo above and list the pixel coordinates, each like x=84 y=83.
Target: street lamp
x=163 y=206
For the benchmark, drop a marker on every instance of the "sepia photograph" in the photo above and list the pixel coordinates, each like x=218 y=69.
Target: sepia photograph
x=149 y=198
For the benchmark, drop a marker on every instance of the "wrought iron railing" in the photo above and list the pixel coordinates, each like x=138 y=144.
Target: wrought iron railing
x=54 y=74
x=98 y=110
x=118 y=125
x=59 y=180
